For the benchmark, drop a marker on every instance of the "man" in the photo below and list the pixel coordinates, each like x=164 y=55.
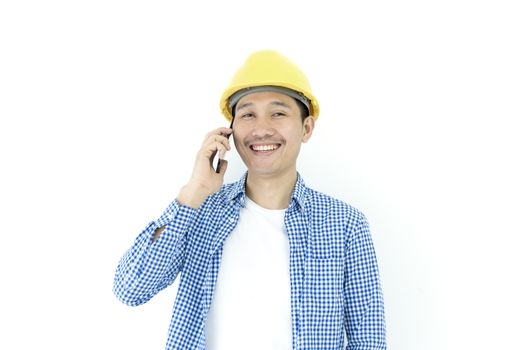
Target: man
x=266 y=262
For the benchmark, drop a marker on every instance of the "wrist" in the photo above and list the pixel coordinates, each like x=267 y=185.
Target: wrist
x=192 y=196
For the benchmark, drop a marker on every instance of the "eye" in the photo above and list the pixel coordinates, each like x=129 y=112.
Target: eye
x=278 y=114
x=246 y=116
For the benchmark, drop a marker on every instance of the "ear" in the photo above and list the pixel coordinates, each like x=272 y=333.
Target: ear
x=307 y=128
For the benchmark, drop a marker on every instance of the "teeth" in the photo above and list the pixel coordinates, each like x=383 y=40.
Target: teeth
x=265 y=147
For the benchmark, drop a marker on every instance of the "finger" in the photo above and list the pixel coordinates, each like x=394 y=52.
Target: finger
x=211 y=149
x=221 y=153
x=212 y=144
x=219 y=131
x=218 y=138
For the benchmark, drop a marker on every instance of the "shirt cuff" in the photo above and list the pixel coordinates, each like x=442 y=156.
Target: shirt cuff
x=177 y=216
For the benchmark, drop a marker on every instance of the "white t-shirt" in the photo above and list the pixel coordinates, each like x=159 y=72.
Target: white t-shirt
x=251 y=307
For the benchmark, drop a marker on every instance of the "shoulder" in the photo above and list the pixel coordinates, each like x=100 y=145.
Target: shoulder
x=334 y=222
x=222 y=197
x=327 y=206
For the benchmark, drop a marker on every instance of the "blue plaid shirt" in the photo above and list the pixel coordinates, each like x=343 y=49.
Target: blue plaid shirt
x=335 y=284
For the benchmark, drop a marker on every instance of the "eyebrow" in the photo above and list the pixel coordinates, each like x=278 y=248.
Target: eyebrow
x=276 y=103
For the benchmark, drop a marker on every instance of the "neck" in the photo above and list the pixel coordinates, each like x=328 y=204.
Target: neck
x=271 y=192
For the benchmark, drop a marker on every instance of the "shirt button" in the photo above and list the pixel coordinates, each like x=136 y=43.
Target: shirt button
x=231 y=220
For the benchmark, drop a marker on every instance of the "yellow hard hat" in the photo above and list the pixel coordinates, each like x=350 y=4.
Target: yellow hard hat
x=268 y=70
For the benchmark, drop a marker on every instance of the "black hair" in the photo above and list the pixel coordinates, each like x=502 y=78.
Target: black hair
x=304 y=112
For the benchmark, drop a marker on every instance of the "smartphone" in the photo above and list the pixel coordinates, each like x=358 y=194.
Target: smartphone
x=216 y=155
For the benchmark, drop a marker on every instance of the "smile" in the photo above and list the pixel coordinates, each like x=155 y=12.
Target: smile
x=264 y=148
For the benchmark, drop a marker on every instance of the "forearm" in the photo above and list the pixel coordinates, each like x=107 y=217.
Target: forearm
x=147 y=266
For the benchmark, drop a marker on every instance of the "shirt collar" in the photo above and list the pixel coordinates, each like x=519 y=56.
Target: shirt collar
x=238 y=192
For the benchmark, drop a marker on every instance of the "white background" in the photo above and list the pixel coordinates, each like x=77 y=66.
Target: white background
x=104 y=104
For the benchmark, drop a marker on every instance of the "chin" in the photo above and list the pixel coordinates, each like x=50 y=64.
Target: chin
x=261 y=170
x=266 y=171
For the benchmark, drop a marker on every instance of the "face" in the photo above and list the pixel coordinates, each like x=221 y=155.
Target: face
x=268 y=132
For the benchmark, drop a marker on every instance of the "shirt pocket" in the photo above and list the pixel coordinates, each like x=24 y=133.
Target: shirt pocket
x=322 y=303
x=324 y=244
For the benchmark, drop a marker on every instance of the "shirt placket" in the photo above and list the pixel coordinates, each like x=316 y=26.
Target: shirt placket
x=296 y=224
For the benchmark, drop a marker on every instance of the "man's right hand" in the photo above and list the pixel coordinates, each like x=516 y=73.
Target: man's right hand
x=204 y=180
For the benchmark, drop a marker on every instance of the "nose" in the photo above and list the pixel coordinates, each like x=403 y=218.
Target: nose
x=262 y=128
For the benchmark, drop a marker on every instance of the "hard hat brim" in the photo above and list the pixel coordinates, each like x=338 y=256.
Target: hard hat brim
x=225 y=105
